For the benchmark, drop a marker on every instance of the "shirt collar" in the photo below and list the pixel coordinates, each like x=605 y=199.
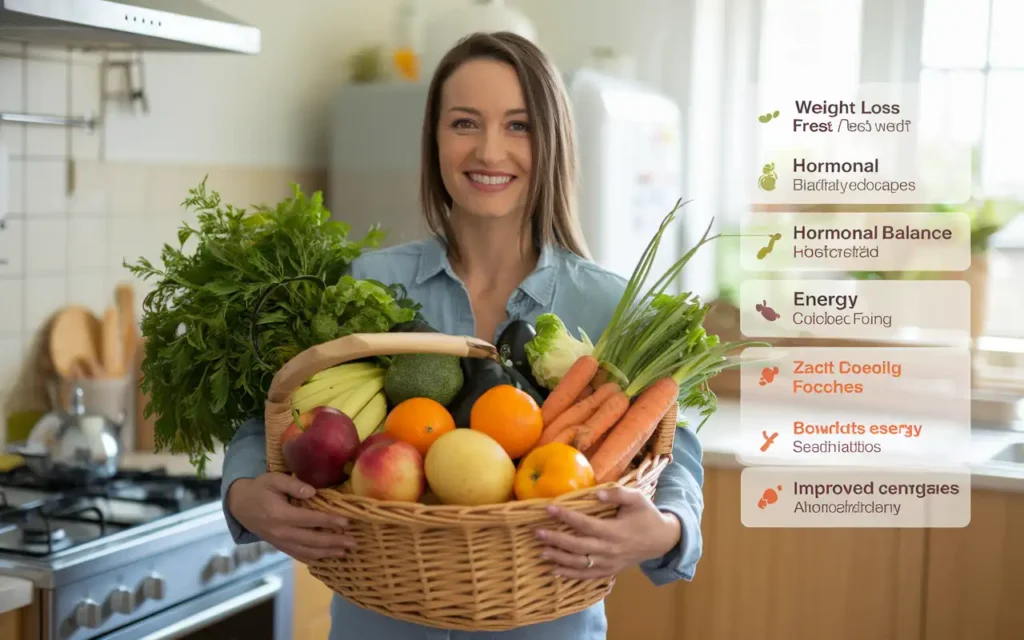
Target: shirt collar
x=539 y=285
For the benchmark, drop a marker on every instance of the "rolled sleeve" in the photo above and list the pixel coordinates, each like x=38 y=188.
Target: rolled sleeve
x=680 y=493
x=244 y=457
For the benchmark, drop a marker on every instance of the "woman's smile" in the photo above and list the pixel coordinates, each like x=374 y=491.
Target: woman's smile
x=489 y=181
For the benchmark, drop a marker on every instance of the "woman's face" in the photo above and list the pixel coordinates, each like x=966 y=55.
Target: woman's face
x=483 y=140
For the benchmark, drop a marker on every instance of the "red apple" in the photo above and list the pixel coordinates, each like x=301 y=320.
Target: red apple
x=389 y=470
x=372 y=440
x=318 y=455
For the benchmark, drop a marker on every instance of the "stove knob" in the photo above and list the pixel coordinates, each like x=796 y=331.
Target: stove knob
x=122 y=600
x=89 y=614
x=222 y=563
x=153 y=587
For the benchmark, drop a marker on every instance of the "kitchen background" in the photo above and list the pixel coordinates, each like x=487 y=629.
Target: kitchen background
x=79 y=202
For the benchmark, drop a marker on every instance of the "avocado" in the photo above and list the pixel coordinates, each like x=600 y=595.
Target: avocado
x=416 y=325
x=424 y=375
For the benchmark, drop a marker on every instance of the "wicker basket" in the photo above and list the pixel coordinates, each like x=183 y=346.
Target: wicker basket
x=450 y=567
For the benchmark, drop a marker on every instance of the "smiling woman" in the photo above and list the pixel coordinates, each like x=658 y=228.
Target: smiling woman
x=498 y=176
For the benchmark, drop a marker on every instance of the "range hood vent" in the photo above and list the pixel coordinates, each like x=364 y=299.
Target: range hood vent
x=139 y=25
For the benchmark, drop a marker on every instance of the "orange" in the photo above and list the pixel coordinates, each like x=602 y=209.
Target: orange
x=419 y=421
x=510 y=416
x=551 y=470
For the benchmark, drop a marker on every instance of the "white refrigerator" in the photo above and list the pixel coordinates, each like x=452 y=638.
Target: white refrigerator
x=630 y=147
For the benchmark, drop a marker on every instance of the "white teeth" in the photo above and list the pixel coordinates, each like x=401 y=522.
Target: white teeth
x=482 y=179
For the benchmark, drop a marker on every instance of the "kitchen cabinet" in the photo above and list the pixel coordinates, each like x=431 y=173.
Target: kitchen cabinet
x=975 y=575
x=10 y=624
x=311 y=615
x=798 y=584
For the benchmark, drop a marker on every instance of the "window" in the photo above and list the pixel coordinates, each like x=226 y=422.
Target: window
x=972 y=86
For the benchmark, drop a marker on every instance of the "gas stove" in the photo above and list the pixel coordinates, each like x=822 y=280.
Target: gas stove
x=42 y=517
x=128 y=556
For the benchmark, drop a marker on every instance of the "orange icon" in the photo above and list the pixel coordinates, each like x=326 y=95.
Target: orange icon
x=768 y=440
x=769 y=497
x=768 y=374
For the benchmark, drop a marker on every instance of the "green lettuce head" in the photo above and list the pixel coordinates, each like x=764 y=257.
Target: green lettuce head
x=553 y=350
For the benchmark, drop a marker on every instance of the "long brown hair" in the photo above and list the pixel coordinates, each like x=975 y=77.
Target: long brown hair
x=550 y=215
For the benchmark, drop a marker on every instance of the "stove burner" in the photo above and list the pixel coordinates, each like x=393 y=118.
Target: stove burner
x=38 y=531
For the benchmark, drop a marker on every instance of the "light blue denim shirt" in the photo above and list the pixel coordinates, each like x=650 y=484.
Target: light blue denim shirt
x=583 y=295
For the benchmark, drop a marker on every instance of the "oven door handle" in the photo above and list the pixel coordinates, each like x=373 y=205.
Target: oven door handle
x=270 y=587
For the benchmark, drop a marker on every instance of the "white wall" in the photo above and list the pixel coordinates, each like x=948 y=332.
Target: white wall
x=271 y=109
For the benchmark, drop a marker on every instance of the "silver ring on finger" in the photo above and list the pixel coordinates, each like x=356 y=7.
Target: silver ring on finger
x=590 y=561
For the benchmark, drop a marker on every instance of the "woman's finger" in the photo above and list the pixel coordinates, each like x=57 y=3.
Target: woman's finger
x=309 y=518
x=586 y=525
x=319 y=539
x=573 y=544
x=303 y=553
x=571 y=560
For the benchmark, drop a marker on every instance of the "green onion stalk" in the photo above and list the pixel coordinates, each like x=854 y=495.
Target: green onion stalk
x=662 y=335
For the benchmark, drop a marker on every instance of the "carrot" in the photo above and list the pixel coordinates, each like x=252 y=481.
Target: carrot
x=602 y=420
x=569 y=387
x=587 y=390
x=628 y=436
x=578 y=412
x=566 y=436
x=594 y=448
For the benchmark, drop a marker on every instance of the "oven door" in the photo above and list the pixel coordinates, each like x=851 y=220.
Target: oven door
x=257 y=607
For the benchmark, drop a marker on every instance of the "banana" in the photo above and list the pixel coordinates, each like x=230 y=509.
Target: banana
x=371 y=416
x=361 y=396
x=332 y=395
x=335 y=381
x=341 y=369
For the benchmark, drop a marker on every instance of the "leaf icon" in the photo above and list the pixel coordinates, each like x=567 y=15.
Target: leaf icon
x=775 y=115
x=765 y=118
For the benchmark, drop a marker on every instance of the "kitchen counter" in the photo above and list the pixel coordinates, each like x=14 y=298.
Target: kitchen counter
x=720 y=437
x=174 y=463
x=15 y=593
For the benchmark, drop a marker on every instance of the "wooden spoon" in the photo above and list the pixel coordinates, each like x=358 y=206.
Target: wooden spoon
x=75 y=336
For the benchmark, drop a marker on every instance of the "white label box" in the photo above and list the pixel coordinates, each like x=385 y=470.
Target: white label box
x=864 y=497
x=813 y=144
x=937 y=311
x=797 y=241
x=826 y=406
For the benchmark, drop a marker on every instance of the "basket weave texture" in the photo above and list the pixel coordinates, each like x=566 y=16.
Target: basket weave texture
x=474 y=568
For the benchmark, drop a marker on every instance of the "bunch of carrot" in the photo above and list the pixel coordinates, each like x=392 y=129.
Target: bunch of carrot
x=604 y=423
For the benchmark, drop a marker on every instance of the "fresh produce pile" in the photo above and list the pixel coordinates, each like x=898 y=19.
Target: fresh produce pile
x=556 y=414
x=257 y=288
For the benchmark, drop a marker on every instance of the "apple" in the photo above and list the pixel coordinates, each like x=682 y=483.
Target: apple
x=318 y=454
x=389 y=470
x=303 y=423
x=372 y=440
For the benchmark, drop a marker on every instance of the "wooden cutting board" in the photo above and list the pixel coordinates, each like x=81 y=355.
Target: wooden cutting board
x=144 y=428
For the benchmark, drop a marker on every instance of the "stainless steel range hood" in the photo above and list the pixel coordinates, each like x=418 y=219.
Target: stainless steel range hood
x=142 y=25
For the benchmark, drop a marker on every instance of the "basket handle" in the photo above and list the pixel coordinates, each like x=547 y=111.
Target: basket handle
x=356 y=346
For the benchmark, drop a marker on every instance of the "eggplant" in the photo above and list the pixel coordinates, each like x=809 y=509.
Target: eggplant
x=512 y=349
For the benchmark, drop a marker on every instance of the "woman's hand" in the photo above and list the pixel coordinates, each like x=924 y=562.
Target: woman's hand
x=599 y=548
x=261 y=506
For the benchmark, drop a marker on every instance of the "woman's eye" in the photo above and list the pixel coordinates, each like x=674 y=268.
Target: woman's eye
x=462 y=123
x=520 y=126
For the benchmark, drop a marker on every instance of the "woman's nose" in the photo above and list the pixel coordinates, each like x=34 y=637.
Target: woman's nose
x=492 y=147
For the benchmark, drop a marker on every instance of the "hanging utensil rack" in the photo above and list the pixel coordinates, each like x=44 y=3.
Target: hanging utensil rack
x=60 y=121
